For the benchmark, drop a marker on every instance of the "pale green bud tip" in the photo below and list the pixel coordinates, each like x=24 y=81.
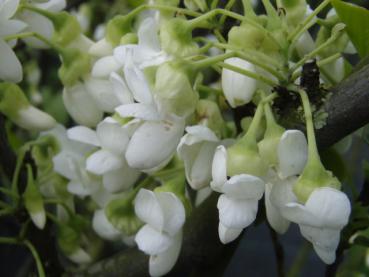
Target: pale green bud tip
x=34 y=119
x=174 y=91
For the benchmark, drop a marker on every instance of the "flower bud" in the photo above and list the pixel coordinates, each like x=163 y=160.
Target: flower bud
x=173 y=91
x=208 y=114
x=117 y=28
x=176 y=38
x=14 y=104
x=295 y=10
x=33 y=201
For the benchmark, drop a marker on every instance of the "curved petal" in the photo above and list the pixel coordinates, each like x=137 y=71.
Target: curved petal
x=162 y=263
x=11 y=27
x=173 y=211
x=112 y=136
x=200 y=133
x=153 y=143
x=120 y=179
x=10 y=67
x=83 y=134
x=121 y=89
x=40 y=24
x=66 y=163
x=103 y=227
x=227 y=235
x=234 y=213
x=138 y=84
x=139 y=110
x=219 y=168
x=148 y=209
x=76 y=187
x=8 y=8
x=238 y=89
x=151 y=241
x=105 y=66
x=52 y=5
x=292 y=153
x=101 y=48
x=244 y=186
x=103 y=94
x=148 y=37
x=275 y=219
x=102 y=161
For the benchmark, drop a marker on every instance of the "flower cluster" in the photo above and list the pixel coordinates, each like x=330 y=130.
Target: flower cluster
x=148 y=122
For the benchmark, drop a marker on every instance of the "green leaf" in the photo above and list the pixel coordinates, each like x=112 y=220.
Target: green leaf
x=356 y=19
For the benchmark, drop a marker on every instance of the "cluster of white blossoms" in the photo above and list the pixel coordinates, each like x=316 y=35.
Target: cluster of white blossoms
x=147 y=123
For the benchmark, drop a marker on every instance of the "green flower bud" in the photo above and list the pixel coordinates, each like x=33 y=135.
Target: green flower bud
x=243 y=158
x=76 y=65
x=257 y=39
x=174 y=90
x=269 y=145
x=67 y=28
x=33 y=201
x=15 y=105
x=117 y=28
x=246 y=122
x=176 y=38
x=121 y=214
x=130 y=38
x=295 y=10
x=314 y=176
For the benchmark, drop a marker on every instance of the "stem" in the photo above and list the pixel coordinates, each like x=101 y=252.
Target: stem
x=59 y=202
x=214 y=4
x=227 y=7
x=6 y=211
x=312 y=146
x=255 y=123
x=8 y=192
x=209 y=89
x=18 y=36
x=18 y=166
x=40 y=268
x=219 y=36
x=249 y=74
x=314 y=52
x=213 y=60
x=305 y=24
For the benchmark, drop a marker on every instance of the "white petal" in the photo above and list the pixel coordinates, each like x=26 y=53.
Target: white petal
x=10 y=67
x=120 y=179
x=202 y=195
x=8 y=8
x=121 y=89
x=11 y=27
x=39 y=219
x=83 y=134
x=138 y=84
x=238 y=89
x=65 y=164
x=151 y=241
x=292 y=153
x=80 y=256
x=153 y=143
x=112 y=136
x=52 y=5
x=173 y=211
x=227 y=235
x=148 y=209
x=103 y=94
x=40 y=24
x=200 y=133
x=103 y=227
x=219 y=168
x=305 y=44
x=275 y=219
x=102 y=161
x=139 y=110
x=234 y=213
x=162 y=263
x=148 y=35
x=124 y=53
x=81 y=106
x=244 y=186
x=34 y=119
x=104 y=67
x=76 y=187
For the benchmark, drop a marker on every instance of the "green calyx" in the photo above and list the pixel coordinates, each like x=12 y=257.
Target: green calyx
x=176 y=38
x=174 y=90
x=295 y=10
x=67 y=28
x=243 y=157
x=130 y=38
x=12 y=100
x=269 y=145
x=76 y=64
x=117 y=27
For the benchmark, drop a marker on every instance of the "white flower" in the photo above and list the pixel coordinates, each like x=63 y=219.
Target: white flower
x=70 y=163
x=103 y=227
x=10 y=67
x=238 y=89
x=321 y=220
x=39 y=23
x=238 y=203
x=292 y=156
x=154 y=142
x=196 y=149
x=161 y=236
x=109 y=161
